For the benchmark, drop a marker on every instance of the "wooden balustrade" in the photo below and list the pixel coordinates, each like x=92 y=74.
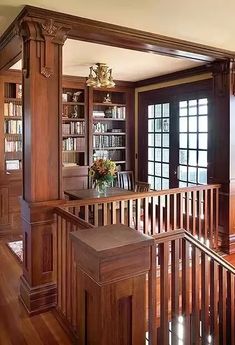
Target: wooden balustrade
x=193 y=293
x=195 y=209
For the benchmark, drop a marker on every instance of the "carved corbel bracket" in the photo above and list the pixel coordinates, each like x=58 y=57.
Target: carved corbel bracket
x=46 y=34
x=221 y=70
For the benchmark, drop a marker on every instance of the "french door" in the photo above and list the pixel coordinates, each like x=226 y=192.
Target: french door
x=177 y=140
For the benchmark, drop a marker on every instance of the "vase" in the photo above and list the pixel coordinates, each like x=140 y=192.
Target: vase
x=101 y=188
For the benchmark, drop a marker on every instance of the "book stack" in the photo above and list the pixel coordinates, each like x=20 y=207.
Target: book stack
x=12 y=109
x=108 y=141
x=13 y=146
x=73 y=128
x=74 y=144
x=13 y=127
x=98 y=113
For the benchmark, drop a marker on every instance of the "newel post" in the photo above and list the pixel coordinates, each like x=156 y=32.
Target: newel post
x=112 y=264
x=42 y=43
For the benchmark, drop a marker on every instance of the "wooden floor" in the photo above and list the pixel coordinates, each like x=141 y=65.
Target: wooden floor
x=16 y=327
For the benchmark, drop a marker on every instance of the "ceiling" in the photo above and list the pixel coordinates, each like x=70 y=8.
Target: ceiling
x=208 y=22
x=128 y=65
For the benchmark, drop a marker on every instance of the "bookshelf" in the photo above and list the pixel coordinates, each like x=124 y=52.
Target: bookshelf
x=109 y=125
x=12 y=114
x=74 y=126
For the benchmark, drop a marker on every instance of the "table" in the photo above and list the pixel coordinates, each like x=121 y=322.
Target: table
x=80 y=194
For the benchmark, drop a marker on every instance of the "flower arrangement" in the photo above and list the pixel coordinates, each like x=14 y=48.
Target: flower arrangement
x=103 y=173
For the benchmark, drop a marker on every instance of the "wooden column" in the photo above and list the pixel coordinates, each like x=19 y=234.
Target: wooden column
x=42 y=73
x=223 y=133
x=112 y=266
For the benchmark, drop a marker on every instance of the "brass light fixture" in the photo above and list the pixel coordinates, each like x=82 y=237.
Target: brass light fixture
x=100 y=76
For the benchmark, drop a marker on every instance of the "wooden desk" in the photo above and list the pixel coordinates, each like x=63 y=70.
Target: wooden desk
x=80 y=194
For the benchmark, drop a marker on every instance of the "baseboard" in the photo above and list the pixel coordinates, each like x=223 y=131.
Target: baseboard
x=65 y=324
x=37 y=299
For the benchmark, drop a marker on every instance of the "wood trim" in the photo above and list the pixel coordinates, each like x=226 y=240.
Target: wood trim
x=115 y=35
x=176 y=75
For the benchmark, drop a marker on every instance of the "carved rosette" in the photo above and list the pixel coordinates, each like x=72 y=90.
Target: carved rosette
x=46 y=34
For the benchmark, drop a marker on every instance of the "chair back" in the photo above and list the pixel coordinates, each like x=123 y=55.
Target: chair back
x=142 y=187
x=125 y=180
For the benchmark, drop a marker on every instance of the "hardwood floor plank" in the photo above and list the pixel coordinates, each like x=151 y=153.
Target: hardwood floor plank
x=16 y=327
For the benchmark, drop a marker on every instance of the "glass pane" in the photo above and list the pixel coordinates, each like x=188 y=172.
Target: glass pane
x=202 y=158
x=202 y=176
x=192 y=174
x=183 y=104
x=192 y=111
x=182 y=184
x=158 y=125
x=183 y=173
x=192 y=159
x=165 y=183
x=165 y=170
x=158 y=183
x=151 y=125
x=165 y=155
x=165 y=140
x=158 y=139
x=192 y=103
x=203 y=124
x=150 y=139
x=158 y=170
x=166 y=112
x=183 y=141
x=150 y=111
x=192 y=141
x=151 y=181
x=203 y=101
x=158 y=110
x=151 y=168
x=158 y=154
x=192 y=124
x=165 y=125
x=202 y=141
x=203 y=110
x=183 y=111
x=183 y=124
x=150 y=154
x=183 y=157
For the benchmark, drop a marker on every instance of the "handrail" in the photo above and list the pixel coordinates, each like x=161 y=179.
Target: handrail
x=72 y=218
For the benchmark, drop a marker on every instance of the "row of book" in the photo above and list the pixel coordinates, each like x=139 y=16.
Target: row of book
x=112 y=112
x=13 y=146
x=108 y=141
x=13 y=164
x=12 y=109
x=73 y=128
x=13 y=127
x=115 y=155
x=74 y=144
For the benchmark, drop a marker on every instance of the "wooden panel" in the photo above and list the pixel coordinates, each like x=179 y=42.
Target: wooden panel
x=4 y=206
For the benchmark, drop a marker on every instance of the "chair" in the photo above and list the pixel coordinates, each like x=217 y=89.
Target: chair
x=125 y=180
x=142 y=187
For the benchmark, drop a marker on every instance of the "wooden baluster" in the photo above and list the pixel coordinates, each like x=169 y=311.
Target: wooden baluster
x=181 y=210
x=104 y=214
x=205 y=283
x=222 y=305
x=130 y=213
x=68 y=280
x=152 y=301
x=164 y=292
x=216 y=219
x=74 y=289
x=206 y=213
x=230 y=309
x=160 y=206
x=195 y=296
x=186 y=290
x=63 y=271
x=175 y=215
x=146 y=215
x=187 y=196
x=86 y=213
x=199 y=214
x=194 y=208
x=138 y=215
x=122 y=212
x=153 y=216
x=174 y=289
x=167 y=208
x=211 y=228
x=113 y=213
x=59 y=258
x=96 y=215
x=214 y=329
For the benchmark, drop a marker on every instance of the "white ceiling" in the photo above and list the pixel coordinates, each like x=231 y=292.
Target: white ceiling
x=209 y=22
x=128 y=65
